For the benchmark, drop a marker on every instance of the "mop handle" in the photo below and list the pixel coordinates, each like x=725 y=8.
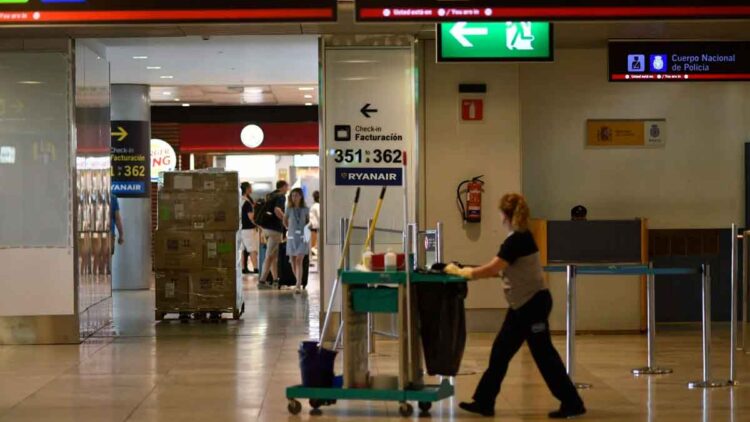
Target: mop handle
x=407 y=253
x=371 y=230
x=342 y=261
x=349 y=230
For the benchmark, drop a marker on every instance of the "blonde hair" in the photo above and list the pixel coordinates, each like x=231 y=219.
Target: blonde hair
x=515 y=208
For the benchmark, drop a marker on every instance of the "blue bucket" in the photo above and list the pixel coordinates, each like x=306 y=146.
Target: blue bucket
x=316 y=365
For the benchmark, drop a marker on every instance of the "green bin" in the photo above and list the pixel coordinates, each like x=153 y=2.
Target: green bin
x=378 y=300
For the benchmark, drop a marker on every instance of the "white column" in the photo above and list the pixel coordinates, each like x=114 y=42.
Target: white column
x=369 y=119
x=131 y=267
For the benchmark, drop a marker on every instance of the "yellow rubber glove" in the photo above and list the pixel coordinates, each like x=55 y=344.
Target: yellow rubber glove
x=466 y=272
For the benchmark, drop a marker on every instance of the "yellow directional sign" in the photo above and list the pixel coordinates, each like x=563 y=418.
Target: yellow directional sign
x=120 y=133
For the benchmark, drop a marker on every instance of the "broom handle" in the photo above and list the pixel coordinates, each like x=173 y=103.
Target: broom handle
x=371 y=231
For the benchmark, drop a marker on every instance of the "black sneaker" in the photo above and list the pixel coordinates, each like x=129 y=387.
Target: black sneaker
x=567 y=412
x=246 y=271
x=477 y=408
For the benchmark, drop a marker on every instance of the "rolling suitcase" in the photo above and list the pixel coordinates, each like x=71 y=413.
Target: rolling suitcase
x=286 y=275
x=262 y=259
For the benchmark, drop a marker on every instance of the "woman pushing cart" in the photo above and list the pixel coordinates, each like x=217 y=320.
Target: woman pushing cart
x=527 y=319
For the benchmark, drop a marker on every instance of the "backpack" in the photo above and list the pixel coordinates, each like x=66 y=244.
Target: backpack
x=264 y=212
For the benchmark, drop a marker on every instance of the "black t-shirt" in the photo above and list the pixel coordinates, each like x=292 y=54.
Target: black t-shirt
x=247 y=207
x=279 y=201
x=517 y=245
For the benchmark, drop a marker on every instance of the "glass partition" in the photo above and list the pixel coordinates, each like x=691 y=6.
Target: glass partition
x=35 y=166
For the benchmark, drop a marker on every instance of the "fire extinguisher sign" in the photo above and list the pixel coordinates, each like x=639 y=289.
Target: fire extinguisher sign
x=472 y=110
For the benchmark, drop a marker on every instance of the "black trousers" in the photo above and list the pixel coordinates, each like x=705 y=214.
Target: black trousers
x=528 y=323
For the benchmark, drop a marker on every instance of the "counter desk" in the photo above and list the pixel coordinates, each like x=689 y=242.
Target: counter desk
x=605 y=303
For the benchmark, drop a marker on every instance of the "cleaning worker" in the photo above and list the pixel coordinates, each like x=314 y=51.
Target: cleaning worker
x=527 y=319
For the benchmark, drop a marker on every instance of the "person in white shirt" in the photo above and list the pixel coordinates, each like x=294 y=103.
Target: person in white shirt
x=315 y=222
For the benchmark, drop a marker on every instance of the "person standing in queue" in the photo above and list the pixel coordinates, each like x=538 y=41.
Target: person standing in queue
x=116 y=222
x=296 y=218
x=314 y=223
x=250 y=238
x=527 y=319
x=274 y=231
x=579 y=213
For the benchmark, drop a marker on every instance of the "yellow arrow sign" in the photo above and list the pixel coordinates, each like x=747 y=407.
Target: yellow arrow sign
x=121 y=134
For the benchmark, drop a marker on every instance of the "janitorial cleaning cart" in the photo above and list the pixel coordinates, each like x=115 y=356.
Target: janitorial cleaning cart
x=378 y=292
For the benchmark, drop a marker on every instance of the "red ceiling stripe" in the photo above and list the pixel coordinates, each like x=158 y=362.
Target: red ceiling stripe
x=168 y=15
x=707 y=77
x=566 y=12
x=218 y=138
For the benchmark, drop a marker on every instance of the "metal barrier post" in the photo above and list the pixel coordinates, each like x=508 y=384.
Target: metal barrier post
x=651 y=368
x=571 y=327
x=343 y=227
x=439 y=252
x=733 y=309
x=370 y=316
x=412 y=238
x=706 y=320
x=745 y=283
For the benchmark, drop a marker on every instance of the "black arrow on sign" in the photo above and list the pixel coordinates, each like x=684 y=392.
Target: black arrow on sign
x=366 y=110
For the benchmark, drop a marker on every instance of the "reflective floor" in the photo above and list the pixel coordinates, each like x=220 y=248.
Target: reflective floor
x=237 y=371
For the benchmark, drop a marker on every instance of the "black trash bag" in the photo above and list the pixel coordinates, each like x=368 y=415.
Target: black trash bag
x=316 y=365
x=442 y=321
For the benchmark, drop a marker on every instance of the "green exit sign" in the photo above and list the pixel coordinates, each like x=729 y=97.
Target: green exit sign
x=494 y=41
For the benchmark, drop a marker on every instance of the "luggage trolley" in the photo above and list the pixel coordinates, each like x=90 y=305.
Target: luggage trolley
x=379 y=292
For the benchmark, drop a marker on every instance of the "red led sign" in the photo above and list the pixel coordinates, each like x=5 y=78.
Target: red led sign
x=39 y=12
x=468 y=10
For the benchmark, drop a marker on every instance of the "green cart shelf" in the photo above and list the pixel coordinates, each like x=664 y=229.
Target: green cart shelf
x=396 y=277
x=323 y=396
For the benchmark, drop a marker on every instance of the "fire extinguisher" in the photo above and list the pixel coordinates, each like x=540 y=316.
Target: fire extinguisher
x=471 y=209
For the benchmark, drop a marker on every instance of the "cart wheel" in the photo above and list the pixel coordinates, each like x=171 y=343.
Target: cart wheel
x=425 y=406
x=405 y=409
x=184 y=317
x=316 y=404
x=294 y=407
x=159 y=316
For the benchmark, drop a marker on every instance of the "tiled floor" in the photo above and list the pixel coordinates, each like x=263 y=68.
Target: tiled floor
x=237 y=371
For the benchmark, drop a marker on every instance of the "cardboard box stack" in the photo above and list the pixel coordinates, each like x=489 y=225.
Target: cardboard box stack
x=197 y=241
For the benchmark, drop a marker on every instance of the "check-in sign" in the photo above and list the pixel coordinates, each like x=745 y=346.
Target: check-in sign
x=494 y=41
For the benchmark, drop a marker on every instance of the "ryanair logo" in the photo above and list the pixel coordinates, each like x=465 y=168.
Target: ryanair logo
x=369 y=177
x=129 y=188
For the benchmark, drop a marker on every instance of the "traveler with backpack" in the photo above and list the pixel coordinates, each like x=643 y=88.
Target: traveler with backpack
x=270 y=217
